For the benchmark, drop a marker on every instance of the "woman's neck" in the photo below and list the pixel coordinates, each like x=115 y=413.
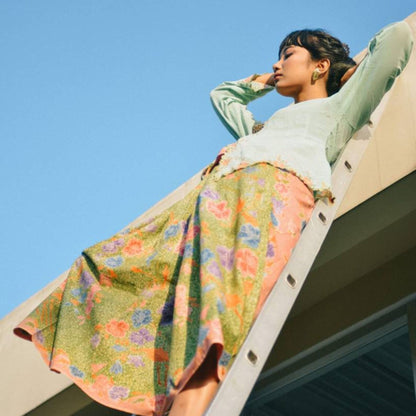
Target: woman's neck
x=312 y=92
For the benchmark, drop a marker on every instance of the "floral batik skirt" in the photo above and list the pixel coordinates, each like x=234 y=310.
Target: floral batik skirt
x=139 y=312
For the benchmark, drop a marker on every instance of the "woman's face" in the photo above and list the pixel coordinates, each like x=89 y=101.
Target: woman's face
x=293 y=71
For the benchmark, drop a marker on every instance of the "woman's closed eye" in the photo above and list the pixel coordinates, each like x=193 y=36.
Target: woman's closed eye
x=288 y=52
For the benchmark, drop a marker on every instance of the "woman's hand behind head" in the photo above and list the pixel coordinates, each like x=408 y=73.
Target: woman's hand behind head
x=348 y=74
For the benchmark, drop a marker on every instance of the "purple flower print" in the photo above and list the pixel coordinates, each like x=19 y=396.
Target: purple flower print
x=118 y=392
x=208 y=288
x=114 y=261
x=151 y=228
x=95 y=340
x=224 y=359
x=141 y=317
x=80 y=294
x=206 y=255
x=203 y=332
x=188 y=250
x=86 y=279
x=270 y=250
x=39 y=337
x=277 y=205
x=274 y=220
x=214 y=269
x=113 y=246
x=250 y=169
x=226 y=257
x=136 y=360
x=119 y=348
x=171 y=231
x=151 y=257
x=147 y=294
x=250 y=235
x=76 y=292
x=76 y=372
x=141 y=336
x=209 y=193
x=116 y=368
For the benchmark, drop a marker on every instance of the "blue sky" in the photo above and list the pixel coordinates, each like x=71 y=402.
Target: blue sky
x=105 y=109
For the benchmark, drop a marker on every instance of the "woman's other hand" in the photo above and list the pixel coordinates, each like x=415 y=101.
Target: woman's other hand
x=348 y=74
x=266 y=78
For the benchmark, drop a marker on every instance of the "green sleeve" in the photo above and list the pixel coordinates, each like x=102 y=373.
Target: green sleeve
x=230 y=101
x=388 y=54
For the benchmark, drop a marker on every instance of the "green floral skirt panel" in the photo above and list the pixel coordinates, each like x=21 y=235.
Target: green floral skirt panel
x=138 y=312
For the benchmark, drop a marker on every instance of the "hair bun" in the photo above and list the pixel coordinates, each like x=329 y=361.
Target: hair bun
x=346 y=49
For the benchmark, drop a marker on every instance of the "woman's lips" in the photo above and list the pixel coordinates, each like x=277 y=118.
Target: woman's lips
x=277 y=76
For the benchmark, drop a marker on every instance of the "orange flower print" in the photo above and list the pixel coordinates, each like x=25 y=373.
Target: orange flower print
x=90 y=298
x=101 y=386
x=186 y=268
x=117 y=329
x=219 y=209
x=181 y=304
x=61 y=361
x=280 y=187
x=193 y=232
x=133 y=247
x=246 y=262
x=95 y=368
x=215 y=329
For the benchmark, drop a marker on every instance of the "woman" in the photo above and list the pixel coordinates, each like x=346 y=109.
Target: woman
x=157 y=312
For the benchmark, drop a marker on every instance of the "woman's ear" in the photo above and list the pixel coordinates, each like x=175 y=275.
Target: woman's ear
x=323 y=66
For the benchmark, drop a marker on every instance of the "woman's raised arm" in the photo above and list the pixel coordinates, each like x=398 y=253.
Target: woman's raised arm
x=365 y=85
x=388 y=53
x=230 y=101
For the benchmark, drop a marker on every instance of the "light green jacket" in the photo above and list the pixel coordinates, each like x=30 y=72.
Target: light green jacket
x=306 y=138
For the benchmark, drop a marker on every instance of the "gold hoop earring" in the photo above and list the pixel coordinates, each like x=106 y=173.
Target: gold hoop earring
x=315 y=74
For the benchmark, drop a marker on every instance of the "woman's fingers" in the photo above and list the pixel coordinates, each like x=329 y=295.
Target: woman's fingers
x=348 y=74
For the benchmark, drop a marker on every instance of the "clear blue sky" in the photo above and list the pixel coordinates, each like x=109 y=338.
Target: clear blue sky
x=104 y=109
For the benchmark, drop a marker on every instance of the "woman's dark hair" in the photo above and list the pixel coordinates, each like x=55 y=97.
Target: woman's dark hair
x=321 y=44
